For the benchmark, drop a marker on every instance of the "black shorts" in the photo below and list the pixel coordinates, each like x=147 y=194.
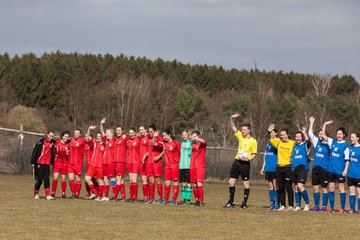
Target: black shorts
x=270 y=176
x=319 y=176
x=184 y=175
x=299 y=175
x=353 y=182
x=336 y=178
x=240 y=168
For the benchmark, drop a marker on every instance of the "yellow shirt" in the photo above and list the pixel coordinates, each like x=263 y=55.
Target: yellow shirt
x=246 y=144
x=284 y=150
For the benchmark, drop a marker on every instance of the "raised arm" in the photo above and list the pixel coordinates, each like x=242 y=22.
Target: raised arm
x=306 y=136
x=323 y=130
x=232 y=121
x=88 y=132
x=102 y=126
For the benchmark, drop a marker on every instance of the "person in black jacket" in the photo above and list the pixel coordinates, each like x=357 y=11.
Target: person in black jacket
x=42 y=156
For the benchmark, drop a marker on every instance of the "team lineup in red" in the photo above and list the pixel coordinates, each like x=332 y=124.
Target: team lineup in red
x=110 y=155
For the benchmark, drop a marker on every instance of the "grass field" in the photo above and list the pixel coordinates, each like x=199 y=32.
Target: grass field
x=22 y=217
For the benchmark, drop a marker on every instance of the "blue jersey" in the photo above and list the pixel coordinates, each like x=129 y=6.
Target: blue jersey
x=299 y=156
x=322 y=155
x=270 y=158
x=339 y=154
x=354 y=167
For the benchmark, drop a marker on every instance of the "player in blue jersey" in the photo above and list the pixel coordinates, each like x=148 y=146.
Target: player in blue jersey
x=269 y=169
x=320 y=166
x=300 y=168
x=353 y=172
x=337 y=173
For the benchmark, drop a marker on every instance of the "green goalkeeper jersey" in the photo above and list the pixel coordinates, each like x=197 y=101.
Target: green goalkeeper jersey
x=185 y=154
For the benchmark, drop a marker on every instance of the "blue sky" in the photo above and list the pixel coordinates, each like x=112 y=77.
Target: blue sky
x=309 y=36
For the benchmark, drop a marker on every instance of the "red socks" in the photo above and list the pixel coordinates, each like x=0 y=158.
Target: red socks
x=106 y=190
x=35 y=191
x=122 y=189
x=201 y=193
x=195 y=192
x=63 y=187
x=77 y=188
x=175 y=192
x=160 y=191
x=167 y=192
x=145 y=189
x=152 y=191
x=54 y=186
x=92 y=188
x=135 y=190
x=100 y=191
x=116 y=190
x=47 y=191
x=72 y=186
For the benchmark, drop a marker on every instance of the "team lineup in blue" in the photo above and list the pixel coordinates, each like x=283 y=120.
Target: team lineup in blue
x=110 y=154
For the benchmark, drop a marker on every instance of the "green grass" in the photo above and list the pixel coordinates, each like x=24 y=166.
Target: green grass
x=22 y=217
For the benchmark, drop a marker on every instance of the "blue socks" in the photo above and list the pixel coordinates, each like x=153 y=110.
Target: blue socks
x=352 y=200
x=305 y=196
x=298 y=199
x=332 y=199
x=316 y=198
x=325 y=199
x=343 y=200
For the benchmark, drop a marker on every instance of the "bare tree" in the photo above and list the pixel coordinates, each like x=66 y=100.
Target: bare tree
x=321 y=84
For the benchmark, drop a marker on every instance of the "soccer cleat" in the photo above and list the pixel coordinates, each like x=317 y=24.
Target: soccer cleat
x=160 y=201
x=297 y=208
x=135 y=201
x=53 y=195
x=188 y=202
x=341 y=211
x=105 y=199
x=289 y=208
x=173 y=202
x=97 y=199
x=49 y=197
x=358 y=211
x=281 y=208
x=150 y=201
x=351 y=211
x=243 y=205
x=307 y=207
x=323 y=209
x=270 y=209
x=316 y=209
x=121 y=200
x=63 y=195
x=74 y=196
x=330 y=210
x=199 y=204
x=91 y=197
x=229 y=205
x=36 y=197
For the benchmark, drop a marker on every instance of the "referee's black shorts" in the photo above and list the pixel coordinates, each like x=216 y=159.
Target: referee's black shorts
x=240 y=168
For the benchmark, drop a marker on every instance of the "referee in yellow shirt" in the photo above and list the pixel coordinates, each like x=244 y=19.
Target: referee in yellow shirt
x=247 y=151
x=283 y=171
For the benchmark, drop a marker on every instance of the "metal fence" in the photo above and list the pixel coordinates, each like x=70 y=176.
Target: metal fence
x=16 y=148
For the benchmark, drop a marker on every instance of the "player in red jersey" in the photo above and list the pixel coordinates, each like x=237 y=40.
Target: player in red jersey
x=108 y=159
x=197 y=167
x=61 y=162
x=89 y=148
x=76 y=158
x=120 y=164
x=42 y=156
x=144 y=147
x=154 y=164
x=95 y=168
x=133 y=163
x=172 y=159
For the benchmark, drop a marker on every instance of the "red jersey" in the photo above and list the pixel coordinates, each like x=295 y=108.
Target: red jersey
x=133 y=153
x=77 y=149
x=98 y=153
x=144 y=146
x=198 y=155
x=89 y=148
x=172 y=153
x=155 y=150
x=109 y=150
x=61 y=151
x=120 y=149
x=45 y=156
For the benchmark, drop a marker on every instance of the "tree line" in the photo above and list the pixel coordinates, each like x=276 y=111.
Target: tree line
x=74 y=90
